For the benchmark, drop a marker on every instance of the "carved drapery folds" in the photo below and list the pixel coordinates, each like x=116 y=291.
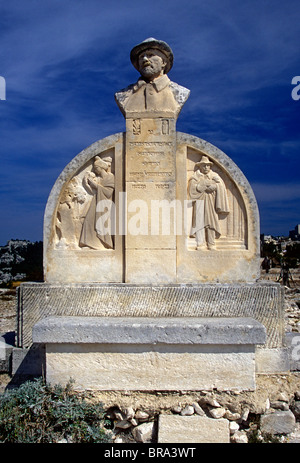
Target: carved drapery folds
x=216 y=217
x=85 y=211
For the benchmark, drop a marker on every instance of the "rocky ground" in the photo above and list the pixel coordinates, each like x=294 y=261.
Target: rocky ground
x=271 y=413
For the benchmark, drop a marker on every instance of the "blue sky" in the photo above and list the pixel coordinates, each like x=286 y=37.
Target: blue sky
x=63 y=61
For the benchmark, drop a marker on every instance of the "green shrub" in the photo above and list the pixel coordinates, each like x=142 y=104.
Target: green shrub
x=39 y=413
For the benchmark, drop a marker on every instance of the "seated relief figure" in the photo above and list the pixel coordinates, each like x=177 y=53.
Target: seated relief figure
x=154 y=91
x=208 y=190
x=96 y=229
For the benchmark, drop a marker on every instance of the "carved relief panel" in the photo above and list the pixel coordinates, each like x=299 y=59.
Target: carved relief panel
x=216 y=214
x=86 y=211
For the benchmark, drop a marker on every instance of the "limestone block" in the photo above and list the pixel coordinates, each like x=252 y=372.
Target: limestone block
x=278 y=422
x=160 y=265
x=171 y=354
x=144 y=330
x=293 y=344
x=5 y=354
x=192 y=429
x=151 y=218
x=269 y=361
x=148 y=367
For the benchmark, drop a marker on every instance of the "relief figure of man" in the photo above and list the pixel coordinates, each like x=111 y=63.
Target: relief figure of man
x=208 y=190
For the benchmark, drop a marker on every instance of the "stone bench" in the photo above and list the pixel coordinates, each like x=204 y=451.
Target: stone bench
x=139 y=353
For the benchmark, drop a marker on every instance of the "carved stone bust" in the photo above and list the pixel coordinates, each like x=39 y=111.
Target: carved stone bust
x=153 y=91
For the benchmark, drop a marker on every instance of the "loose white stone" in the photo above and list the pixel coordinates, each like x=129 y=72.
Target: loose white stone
x=141 y=415
x=245 y=414
x=187 y=411
x=123 y=424
x=62 y=441
x=119 y=416
x=143 y=432
x=217 y=412
x=177 y=409
x=128 y=413
x=283 y=397
x=198 y=409
x=210 y=401
x=232 y=416
x=240 y=437
x=233 y=427
x=134 y=422
x=118 y=440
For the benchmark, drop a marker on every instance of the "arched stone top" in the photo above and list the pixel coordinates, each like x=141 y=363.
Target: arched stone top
x=68 y=258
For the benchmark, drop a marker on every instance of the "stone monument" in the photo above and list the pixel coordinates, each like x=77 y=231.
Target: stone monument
x=152 y=258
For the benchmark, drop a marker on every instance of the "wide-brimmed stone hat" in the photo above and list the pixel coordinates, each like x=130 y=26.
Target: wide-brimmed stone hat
x=151 y=42
x=204 y=160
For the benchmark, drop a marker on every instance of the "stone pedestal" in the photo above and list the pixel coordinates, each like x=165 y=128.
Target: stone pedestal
x=151 y=354
x=260 y=301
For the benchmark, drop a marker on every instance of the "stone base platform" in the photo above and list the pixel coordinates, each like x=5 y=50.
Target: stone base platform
x=262 y=301
x=138 y=353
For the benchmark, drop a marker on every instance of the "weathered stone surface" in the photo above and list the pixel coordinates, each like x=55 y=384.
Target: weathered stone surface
x=295 y=407
x=232 y=416
x=97 y=347
x=233 y=427
x=5 y=355
x=279 y=422
x=41 y=300
x=217 y=413
x=128 y=413
x=209 y=400
x=160 y=367
x=198 y=409
x=140 y=415
x=245 y=414
x=240 y=437
x=273 y=360
x=187 y=411
x=192 y=429
x=123 y=424
x=279 y=405
x=293 y=343
x=138 y=330
x=143 y=432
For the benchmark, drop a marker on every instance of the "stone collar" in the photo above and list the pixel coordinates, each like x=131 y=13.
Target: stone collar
x=159 y=84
